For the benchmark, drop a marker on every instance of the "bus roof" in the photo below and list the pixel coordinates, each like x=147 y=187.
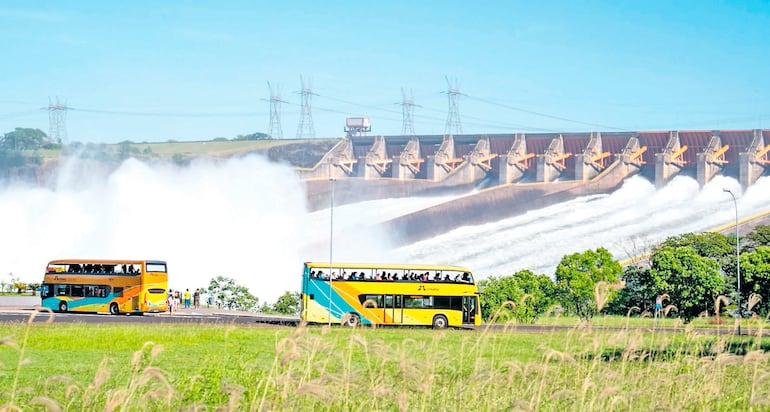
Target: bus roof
x=388 y=266
x=103 y=261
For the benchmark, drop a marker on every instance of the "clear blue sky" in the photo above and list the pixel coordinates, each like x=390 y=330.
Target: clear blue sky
x=194 y=70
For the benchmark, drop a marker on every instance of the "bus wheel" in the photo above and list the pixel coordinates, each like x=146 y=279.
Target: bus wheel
x=439 y=322
x=114 y=310
x=62 y=306
x=352 y=320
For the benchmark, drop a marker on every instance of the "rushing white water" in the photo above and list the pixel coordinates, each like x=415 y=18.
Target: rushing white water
x=626 y=222
x=240 y=218
x=246 y=219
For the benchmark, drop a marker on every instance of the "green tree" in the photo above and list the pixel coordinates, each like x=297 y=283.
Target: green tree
x=755 y=275
x=253 y=136
x=232 y=295
x=532 y=295
x=691 y=281
x=712 y=245
x=759 y=236
x=639 y=291
x=577 y=279
x=23 y=139
x=287 y=304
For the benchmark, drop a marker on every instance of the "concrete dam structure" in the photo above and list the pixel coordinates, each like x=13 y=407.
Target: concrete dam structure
x=515 y=173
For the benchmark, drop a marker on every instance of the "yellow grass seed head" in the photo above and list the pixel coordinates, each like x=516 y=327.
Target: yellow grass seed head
x=358 y=339
x=403 y=402
x=755 y=356
x=669 y=308
x=754 y=299
x=115 y=399
x=71 y=390
x=50 y=404
x=521 y=405
x=102 y=373
x=314 y=389
x=718 y=302
x=563 y=394
x=7 y=341
x=602 y=292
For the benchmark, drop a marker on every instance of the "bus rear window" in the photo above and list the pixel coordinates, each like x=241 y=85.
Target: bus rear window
x=157 y=291
x=156 y=267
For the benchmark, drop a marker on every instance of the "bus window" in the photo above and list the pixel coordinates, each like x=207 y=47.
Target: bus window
x=77 y=290
x=442 y=302
x=118 y=292
x=413 y=302
x=156 y=267
x=62 y=290
x=371 y=300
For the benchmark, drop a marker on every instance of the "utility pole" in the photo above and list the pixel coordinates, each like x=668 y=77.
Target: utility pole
x=306 y=129
x=274 y=130
x=57 y=121
x=453 y=115
x=407 y=113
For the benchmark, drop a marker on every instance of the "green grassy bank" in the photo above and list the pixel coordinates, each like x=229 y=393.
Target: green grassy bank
x=208 y=367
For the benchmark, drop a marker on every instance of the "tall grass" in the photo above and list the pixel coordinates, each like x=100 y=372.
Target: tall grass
x=215 y=367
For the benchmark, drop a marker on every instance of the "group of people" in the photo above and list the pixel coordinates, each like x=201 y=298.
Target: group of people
x=176 y=298
x=96 y=269
x=388 y=276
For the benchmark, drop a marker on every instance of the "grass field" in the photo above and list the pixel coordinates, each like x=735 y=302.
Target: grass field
x=219 y=148
x=208 y=367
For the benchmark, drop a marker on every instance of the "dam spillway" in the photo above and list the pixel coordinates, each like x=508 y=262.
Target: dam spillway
x=515 y=173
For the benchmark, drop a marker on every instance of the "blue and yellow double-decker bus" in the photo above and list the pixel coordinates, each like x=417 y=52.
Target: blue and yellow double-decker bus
x=97 y=285
x=388 y=294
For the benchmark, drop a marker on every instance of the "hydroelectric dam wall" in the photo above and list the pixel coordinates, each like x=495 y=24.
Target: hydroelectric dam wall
x=514 y=173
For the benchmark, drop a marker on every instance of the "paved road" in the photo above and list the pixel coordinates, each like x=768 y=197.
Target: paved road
x=26 y=308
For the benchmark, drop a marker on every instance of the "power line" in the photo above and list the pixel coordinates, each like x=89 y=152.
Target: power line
x=550 y=116
x=165 y=114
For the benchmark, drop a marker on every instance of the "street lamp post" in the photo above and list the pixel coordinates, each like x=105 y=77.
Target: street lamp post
x=331 y=239
x=737 y=258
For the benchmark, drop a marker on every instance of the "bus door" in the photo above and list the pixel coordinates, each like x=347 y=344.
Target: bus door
x=469 y=309
x=394 y=309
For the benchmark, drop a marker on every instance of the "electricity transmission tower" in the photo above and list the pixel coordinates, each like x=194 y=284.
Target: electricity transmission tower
x=274 y=130
x=57 y=121
x=453 y=115
x=306 y=129
x=407 y=113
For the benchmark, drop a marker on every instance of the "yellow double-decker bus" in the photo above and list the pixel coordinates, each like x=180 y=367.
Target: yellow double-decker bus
x=387 y=294
x=114 y=286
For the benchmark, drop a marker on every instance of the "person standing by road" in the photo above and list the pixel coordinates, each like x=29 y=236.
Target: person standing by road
x=187 y=298
x=197 y=299
x=170 y=302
